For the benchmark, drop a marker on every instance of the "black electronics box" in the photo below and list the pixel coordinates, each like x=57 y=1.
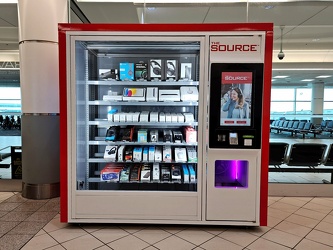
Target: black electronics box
x=112 y=133
x=141 y=71
x=171 y=70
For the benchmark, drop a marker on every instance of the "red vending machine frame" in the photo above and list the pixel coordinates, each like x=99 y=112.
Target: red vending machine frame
x=148 y=29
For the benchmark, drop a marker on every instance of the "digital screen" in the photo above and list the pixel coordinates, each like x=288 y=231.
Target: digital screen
x=236 y=96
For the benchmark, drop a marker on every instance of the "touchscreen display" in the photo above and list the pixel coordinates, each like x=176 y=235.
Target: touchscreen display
x=236 y=96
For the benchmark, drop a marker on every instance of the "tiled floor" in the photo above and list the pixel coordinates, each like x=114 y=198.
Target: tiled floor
x=293 y=223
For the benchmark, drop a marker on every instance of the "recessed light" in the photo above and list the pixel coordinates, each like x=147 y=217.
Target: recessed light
x=315 y=40
x=151 y=8
x=268 y=7
x=307 y=80
x=323 y=76
x=280 y=76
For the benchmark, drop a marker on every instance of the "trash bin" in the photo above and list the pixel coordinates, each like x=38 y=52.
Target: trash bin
x=16 y=158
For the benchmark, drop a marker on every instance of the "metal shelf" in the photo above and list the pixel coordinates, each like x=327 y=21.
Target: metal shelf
x=129 y=143
x=107 y=124
x=135 y=103
x=143 y=83
x=102 y=160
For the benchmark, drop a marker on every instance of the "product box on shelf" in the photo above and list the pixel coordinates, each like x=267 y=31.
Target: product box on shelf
x=134 y=94
x=171 y=70
x=151 y=154
x=156 y=172
x=177 y=136
x=167 y=117
x=135 y=173
x=112 y=133
x=169 y=95
x=113 y=98
x=111 y=113
x=129 y=117
x=141 y=71
x=192 y=173
x=186 y=174
x=136 y=116
x=121 y=153
x=153 y=135
x=145 y=173
x=162 y=117
x=126 y=134
x=137 y=154
x=167 y=154
x=174 y=117
x=153 y=117
x=186 y=71
x=128 y=155
x=158 y=154
x=180 y=155
x=110 y=173
x=125 y=174
x=167 y=135
x=189 y=93
x=165 y=173
x=126 y=71
x=144 y=116
x=190 y=134
x=176 y=173
x=155 y=69
x=191 y=155
x=145 y=154
x=108 y=74
x=116 y=117
x=142 y=135
x=189 y=117
x=110 y=153
x=122 y=117
x=180 y=118
x=152 y=94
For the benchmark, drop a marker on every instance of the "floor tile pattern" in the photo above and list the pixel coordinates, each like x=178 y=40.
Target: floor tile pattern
x=302 y=223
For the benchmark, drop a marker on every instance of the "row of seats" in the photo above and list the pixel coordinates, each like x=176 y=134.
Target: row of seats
x=301 y=157
x=301 y=127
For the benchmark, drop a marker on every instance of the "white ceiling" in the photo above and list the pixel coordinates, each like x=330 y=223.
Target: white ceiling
x=307 y=33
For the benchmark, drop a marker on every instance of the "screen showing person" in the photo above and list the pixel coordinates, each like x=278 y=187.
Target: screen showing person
x=236 y=96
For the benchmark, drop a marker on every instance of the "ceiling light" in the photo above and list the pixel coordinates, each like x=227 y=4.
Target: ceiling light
x=280 y=77
x=307 y=80
x=268 y=7
x=324 y=76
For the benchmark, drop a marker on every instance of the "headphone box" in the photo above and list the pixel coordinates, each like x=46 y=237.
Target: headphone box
x=110 y=173
x=141 y=71
x=158 y=154
x=167 y=155
x=121 y=150
x=180 y=155
x=155 y=69
x=171 y=70
x=124 y=174
x=110 y=153
x=145 y=154
x=137 y=154
x=145 y=173
x=186 y=174
x=156 y=172
x=176 y=175
x=126 y=71
x=152 y=94
x=108 y=74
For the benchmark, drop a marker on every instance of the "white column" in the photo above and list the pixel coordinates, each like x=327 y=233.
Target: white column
x=317 y=102
x=38 y=45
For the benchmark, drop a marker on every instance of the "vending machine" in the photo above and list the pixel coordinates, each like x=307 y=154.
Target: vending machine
x=165 y=123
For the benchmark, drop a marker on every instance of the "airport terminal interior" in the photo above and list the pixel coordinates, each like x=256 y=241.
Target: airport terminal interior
x=300 y=202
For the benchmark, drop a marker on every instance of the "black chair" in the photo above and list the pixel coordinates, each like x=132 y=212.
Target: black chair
x=306 y=129
x=329 y=158
x=306 y=154
x=277 y=153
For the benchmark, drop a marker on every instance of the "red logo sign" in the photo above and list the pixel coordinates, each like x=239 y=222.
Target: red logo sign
x=216 y=46
x=236 y=77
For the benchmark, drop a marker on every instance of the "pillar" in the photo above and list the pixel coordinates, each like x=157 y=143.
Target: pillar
x=317 y=102
x=38 y=46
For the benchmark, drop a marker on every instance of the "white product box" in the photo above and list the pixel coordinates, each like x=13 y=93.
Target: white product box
x=180 y=117
x=188 y=93
x=116 y=117
x=129 y=117
x=189 y=117
x=156 y=172
x=169 y=95
x=122 y=117
x=174 y=117
x=177 y=136
x=162 y=117
x=153 y=117
x=155 y=69
x=136 y=116
x=186 y=71
x=121 y=150
x=124 y=174
x=110 y=153
x=144 y=116
x=158 y=154
x=112 y=98
x=168 y=117
x=153 y=135
x=180 y=155
x=151 y=154
x=192 y=155
x=134 y=94
x=167 y=154
x=171 y=69
x=137 y=154
x=152 y=94
x=176 y=175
